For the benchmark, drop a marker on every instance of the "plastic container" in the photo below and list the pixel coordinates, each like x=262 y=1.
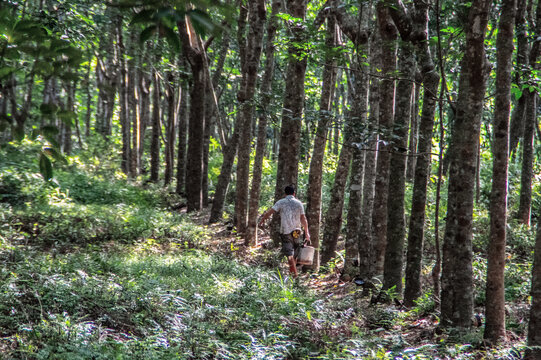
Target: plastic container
x=306 y=255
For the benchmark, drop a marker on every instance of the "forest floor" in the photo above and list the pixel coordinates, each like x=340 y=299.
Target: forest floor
x=414 y=331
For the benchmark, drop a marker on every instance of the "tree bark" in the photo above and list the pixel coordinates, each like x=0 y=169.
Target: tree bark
x=457 y=275
x=521 y=77
x=123 y=94
x=396 y=231
x=293 y=107
x=495 y=288
x=182 y=135
x=155 y=144
x=195 y=55
x=533 y=352
x=388 y=33
x=170 y=129
x=333 y=218
x=256 y=19
x=253 y=208
x=315 y=174
x=366 y=237
x=530 y=123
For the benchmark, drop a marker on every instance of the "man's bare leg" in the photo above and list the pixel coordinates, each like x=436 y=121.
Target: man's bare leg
x=292 y=265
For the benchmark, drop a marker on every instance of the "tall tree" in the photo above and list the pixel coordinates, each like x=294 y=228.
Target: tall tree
x=256 y=20
x=533 y=352
x=457 y=274
x=230 y=150
x=495 y=289
x=315 y=174
x=530 y=124
x=155 y=144
x=396 y=230
x=293 y=105
x=388 y=33
x=195 y=56
x=250 y=237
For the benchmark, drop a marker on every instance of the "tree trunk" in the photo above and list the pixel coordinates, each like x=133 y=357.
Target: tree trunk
x=358 y=114
x=171 y=128
x=292 y=113
x=414 y=131
x=457 y=275
x=155 y=144
x=182 y=135
x=144 y=111
x=313 y=204
x=521 y=78
x=195 y=54
x=256 y=19
x=124 y=115
x=212 y=113
x=366 y=237
x=388 y=33
x=333 y=218
x=396 y=231
x=495 y=288
x=526 y=174
x=253 y=209
x=135 y=115
x=533 y=352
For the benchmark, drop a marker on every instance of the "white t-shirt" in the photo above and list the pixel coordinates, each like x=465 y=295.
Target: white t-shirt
x=290 y=210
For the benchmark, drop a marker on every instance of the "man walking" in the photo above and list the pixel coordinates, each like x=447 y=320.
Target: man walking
x=292 y=218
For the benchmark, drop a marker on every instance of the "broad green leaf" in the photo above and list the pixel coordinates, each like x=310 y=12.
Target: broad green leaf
x=45 y=167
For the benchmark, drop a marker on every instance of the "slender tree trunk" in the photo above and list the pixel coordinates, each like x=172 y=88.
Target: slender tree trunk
x=333 y=217
x=123 y=98
x=533 y=352
x=171 y=129
x=253 y=209
x=293 y=107
x=396 y=231
x=495 y=288
x=517 y=119
x=86 y=83
x=144 y=111
x=414 y=131
x=212 y=113
x=526 y=174
x=155 y=144
x=182 y=136
x=366 y=237
x=256 y=19
x=457 y=275
x=70 y=101
x=313 y=206
x=134 y=112
x=195 y=54
x=388 y=33
x=359 y=115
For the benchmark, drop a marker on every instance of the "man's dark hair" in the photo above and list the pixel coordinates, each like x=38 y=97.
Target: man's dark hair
x=289 y=190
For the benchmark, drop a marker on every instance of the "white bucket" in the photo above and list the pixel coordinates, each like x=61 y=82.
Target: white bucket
x=306 y=255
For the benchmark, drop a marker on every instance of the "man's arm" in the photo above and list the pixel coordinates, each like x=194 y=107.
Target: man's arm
x=304 y=223
x=265 y=216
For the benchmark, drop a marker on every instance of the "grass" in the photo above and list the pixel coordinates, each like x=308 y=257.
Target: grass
x=96 y=267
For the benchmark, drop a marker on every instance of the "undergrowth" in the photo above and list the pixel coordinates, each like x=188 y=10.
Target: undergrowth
x=96 y=267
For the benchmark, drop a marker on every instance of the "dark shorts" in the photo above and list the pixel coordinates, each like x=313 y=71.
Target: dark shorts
x=290 y=246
